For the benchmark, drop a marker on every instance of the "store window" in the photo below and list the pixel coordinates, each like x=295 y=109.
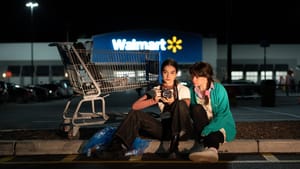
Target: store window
x=280 y=77
x=280 y=73
x=236 y=75
x=15 y=70
x=252 y=76
x=266 y=72
x=58 y=70
x=251 y=72
x=266 y=75
x=42 y=71
x=27 y=71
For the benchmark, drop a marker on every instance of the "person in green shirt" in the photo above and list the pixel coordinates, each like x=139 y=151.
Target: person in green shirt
x=210 y=111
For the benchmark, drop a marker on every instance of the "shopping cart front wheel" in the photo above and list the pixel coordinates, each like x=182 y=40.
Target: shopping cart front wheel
x=73 y=135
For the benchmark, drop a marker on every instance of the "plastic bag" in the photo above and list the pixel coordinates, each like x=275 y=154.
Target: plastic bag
x=138 y=147
x=99 y=140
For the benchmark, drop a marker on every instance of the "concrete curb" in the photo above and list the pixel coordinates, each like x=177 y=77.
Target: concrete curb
x=52 y=147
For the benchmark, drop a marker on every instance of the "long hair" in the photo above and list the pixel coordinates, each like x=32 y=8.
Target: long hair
x=203 y=69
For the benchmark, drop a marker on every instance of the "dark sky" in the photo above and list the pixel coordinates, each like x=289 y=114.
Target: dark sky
x=241 y=21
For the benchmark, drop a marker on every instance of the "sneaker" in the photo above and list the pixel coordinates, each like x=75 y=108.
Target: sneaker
x=209 y=155
x=112 y=155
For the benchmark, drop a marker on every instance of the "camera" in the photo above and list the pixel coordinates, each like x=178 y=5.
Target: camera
x=167 y=93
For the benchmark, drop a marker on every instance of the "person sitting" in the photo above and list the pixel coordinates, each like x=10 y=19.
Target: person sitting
x=171 y=97
x=210 y=110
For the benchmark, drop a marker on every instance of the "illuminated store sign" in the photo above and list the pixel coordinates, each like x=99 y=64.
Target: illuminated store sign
x=123 y=44
x=174 y=44
x=182 y=46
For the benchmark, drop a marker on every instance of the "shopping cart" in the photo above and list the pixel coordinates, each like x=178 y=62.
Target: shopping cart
x=94 y=75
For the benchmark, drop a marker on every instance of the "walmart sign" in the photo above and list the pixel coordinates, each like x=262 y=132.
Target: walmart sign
x=124 y=44
x=184 y=47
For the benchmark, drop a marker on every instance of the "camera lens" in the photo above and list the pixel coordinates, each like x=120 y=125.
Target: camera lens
x=167 y=93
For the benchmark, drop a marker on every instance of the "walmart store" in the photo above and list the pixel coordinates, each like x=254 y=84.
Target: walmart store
x=247 y=59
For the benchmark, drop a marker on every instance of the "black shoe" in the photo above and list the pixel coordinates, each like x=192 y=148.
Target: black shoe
x=183 y=135
x=115 y=145
x=172 y=156
x=112 y=155
x=114 y=151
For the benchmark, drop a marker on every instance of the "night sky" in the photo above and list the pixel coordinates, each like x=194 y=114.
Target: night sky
x=238 y=21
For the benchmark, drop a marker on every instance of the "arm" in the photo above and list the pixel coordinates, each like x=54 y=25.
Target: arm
x=187 y=101
x=143 y=102
x=184 y=94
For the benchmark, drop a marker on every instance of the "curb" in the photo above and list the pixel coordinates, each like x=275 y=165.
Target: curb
x=55 y=147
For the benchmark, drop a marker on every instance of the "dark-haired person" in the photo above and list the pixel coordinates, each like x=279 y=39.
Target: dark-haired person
x=290 y=85
x=210 y=111
x=172 y=98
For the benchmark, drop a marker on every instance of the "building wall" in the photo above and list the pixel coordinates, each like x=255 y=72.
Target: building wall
x=19 y=54
x=275 y=54
x=210 y=54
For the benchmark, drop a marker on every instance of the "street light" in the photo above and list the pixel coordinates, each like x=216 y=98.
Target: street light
x=265 y=44
x=32 y=5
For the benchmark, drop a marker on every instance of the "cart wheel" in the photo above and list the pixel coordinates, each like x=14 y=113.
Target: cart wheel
x=71 y=136
x=61 y=127
x=105 y=117
x=64 y=127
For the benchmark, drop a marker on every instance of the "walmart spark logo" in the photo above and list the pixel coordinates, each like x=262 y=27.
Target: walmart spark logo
x=174 y=44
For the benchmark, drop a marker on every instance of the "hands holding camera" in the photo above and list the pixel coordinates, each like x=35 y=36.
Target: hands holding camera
x=164 y=95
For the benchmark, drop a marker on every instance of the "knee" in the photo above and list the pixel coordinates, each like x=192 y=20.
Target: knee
x=197 y=109
x=133 y=113
x=183 y=107
x=182 y=103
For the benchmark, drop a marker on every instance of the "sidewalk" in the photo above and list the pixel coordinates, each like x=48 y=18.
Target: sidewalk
x=51 y=147
x=252 y=137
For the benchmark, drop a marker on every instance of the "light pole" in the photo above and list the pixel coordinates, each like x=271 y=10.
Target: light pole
x=265 y=44
x=32 y=5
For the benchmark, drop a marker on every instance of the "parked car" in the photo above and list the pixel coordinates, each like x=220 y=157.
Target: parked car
x=242 y=88
x=66 y=89
x=39 y=93
x=18 y=93
x=61 y=89
x=53 y=90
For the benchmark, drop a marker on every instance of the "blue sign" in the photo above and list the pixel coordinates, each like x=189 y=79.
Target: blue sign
x=184 y=47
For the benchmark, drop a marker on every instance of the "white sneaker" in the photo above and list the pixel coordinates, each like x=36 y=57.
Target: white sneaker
x=209 y=155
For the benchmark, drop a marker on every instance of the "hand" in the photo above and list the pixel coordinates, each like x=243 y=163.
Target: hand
x=157 y=95
x=168 y=100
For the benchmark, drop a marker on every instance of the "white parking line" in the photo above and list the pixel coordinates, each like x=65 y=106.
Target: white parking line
x=270 y=157
x=270 y=111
